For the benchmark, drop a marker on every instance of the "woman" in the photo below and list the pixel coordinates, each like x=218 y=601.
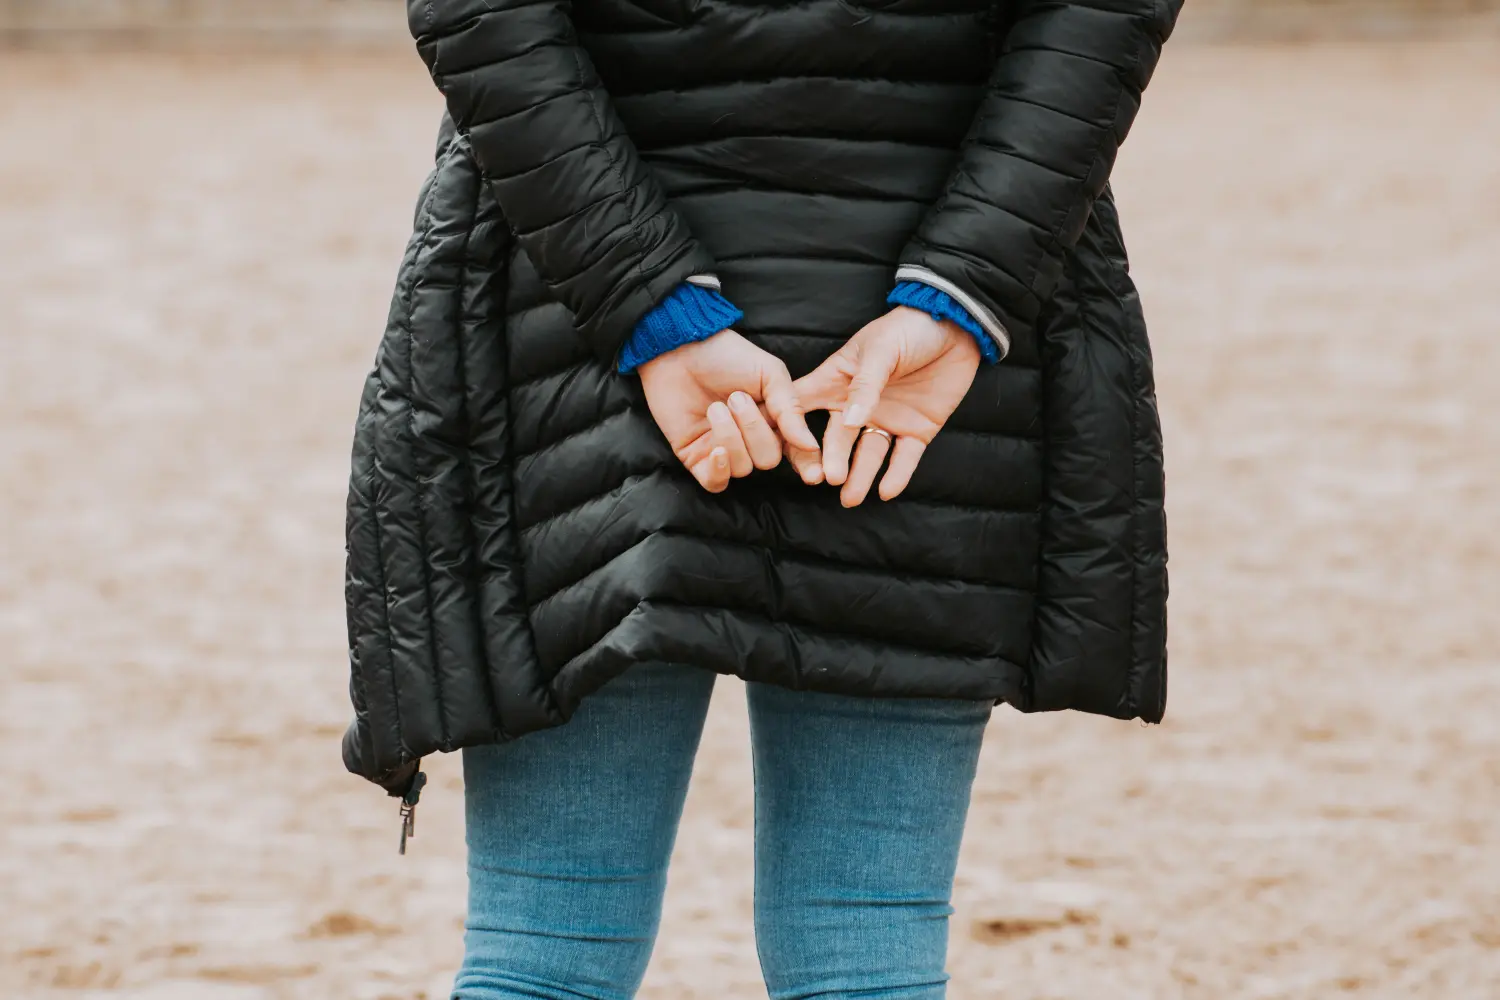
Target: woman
x=568 y=501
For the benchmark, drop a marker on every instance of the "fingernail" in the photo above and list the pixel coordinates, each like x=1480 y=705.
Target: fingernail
x=718 y=407
x=812 y=474
x=740 y=400
x=720 y=457
x=854 y=416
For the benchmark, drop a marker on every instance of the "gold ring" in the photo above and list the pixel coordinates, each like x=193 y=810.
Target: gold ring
x=876 y=430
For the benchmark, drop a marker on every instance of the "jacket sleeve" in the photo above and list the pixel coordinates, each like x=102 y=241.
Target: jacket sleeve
x=1061 y=98
x=584 y=207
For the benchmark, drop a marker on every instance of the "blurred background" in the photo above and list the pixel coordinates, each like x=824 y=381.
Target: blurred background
x=202 y=205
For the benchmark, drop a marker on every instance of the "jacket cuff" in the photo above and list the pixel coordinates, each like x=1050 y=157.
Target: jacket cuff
x=963 y=304
x=694 y=311
x=942 y=306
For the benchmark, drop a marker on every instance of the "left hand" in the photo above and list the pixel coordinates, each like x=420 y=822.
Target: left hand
x=686 y=390
x=905 y=374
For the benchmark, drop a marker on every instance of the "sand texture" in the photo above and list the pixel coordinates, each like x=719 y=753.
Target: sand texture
x=197 y=258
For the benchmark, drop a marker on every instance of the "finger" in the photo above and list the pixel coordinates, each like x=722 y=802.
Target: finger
x=697 y=449
x=809 y=464
x=904 y=458
x=877 y=362
x=712 y=472
x=760 y=439
x=727 y=436
x=869 y=453
x=786 y=409
x=838 y=445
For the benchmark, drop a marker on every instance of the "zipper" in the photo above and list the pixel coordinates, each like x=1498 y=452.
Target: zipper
x=409 y=808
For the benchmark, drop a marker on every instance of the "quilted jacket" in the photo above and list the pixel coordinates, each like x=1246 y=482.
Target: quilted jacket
x=519 y=531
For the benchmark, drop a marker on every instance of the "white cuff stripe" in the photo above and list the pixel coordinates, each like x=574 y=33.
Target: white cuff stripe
x=985 y=318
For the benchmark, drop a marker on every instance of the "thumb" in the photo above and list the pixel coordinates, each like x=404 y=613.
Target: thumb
x=877 y=363
x=826 y=387
x=786 y=408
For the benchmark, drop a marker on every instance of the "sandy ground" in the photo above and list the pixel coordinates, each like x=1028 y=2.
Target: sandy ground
x=197 y=255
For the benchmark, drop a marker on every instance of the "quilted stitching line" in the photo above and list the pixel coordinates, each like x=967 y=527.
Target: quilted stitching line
x=424 y=230
x=819 y=631
x=1054 y=240
x=471 y=540
x=420 y=482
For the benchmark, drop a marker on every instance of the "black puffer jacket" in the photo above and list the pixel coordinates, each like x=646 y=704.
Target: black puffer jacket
x=519 y=531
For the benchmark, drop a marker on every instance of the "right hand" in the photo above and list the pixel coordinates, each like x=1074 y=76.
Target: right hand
x=904 y=373
x=716 y=401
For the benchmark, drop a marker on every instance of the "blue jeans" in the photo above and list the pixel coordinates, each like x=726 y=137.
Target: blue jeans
x=859 y=810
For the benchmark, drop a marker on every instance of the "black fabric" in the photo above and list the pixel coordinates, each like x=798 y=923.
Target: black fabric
x=519 y=532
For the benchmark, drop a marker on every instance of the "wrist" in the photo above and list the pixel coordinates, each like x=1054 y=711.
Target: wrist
x=691 y=314
x=962 y=340
x=944 y=308
x=681 y=353
x=939 y=329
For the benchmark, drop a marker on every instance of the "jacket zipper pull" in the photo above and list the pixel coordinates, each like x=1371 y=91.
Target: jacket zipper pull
x=409 y=808
x=408 y=824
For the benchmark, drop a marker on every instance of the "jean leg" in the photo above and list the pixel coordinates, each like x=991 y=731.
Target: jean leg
x=569 y=832
x=859 y=811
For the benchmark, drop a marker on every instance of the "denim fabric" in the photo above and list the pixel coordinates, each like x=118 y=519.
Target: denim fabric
x=860 y=807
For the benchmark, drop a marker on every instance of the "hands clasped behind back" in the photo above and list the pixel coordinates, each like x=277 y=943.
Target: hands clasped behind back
x=728 y=408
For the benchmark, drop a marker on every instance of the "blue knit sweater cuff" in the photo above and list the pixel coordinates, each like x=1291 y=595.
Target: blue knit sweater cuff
x=690 y=314
x=942 y=306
